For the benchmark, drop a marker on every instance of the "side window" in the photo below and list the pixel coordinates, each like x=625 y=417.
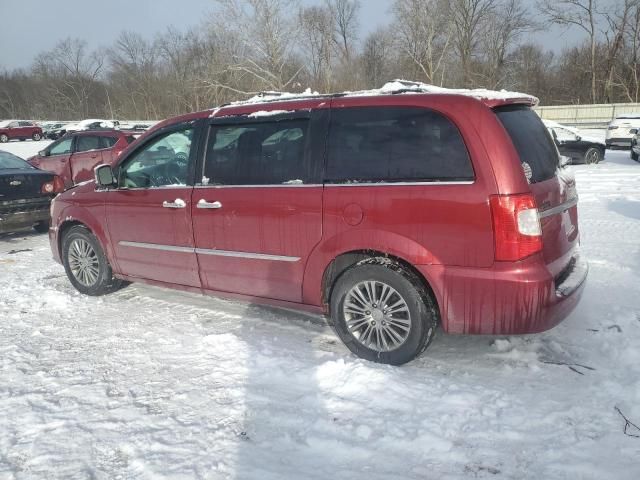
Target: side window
x=13 y=125
x=164 y=161
x=61 y=148
x=85 y=143
x=395 y=144
x=107 y=142
x=268 y=153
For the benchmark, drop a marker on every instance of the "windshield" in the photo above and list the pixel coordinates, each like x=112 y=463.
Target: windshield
x=10 y=161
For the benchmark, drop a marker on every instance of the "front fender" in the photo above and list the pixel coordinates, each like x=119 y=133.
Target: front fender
x=358 y=240
x=91 y=216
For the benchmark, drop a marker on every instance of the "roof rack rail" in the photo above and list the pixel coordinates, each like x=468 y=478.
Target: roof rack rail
x=274 y=97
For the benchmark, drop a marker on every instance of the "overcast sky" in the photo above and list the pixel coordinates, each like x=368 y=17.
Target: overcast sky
x=28 y=27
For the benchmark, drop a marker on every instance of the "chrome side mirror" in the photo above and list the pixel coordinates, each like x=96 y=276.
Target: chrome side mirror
x=104 y=176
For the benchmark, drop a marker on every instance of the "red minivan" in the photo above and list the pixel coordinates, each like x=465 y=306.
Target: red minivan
x=392 y=214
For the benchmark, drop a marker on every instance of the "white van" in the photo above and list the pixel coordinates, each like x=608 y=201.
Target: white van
x=622 y=129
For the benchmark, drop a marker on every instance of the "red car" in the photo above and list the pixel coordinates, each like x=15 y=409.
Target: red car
x=74 y=156
x=20 y=130
x=390 y=213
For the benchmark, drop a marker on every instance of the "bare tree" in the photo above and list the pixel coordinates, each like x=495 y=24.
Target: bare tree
x=424 y=35
x=582 y=14
x=72 y=73
x=618 y=22
x=469 y=19
x=502 y=33
x=377 y=57
x=345 y=14
x=317 y=26
x=266 y=34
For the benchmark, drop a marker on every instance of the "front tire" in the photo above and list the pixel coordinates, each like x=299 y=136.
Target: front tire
x=592 y=156
x=634 y=156
x=86 y=264
x=382 y=312
x=36 y=137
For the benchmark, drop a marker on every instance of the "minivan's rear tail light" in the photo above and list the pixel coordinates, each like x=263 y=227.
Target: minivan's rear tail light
x=54 y=186
x=516 y=226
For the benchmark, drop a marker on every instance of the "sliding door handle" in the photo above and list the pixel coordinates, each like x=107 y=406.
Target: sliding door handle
x=209 y=205
x=178 y=203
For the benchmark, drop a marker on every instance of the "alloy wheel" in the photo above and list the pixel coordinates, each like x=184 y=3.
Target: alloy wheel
x=83 y=262
x=377 y=316
x=592 y=157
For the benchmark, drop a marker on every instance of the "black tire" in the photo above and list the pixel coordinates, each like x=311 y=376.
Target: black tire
x=592 y=156
x=36 y=137
x=42 y=227
x=23 y=139
x=104 y=281
x=4 y=138
x=422 y=313
x=634 y=156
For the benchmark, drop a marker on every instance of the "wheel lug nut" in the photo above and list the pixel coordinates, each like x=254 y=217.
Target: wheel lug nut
x=368 y=312
x=375 y=306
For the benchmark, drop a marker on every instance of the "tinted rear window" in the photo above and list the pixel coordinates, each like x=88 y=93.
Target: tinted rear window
x=395 y=144
x=108 y=142
x=532 y=141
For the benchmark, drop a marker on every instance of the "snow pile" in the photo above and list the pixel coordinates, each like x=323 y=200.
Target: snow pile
x=152 y=383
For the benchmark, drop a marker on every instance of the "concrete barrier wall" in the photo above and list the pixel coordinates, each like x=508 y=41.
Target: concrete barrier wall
x=590 y=116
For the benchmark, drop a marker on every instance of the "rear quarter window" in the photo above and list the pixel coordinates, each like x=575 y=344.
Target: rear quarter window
x=532 y=140
x=395 y=144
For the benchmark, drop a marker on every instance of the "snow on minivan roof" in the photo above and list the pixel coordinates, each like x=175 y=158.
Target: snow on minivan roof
x=395 y=87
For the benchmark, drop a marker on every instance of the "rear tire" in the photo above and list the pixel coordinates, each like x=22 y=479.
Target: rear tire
x=634 y=156
x=4 y=138
x=86 y=264
x=592 y=156
x=398 y=328
x=42 y=227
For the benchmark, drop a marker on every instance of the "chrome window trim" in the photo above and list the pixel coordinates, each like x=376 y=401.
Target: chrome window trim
x=400 y=184
x=206 y=251
x=559 y=209
x=363 y=184
x=276 y=185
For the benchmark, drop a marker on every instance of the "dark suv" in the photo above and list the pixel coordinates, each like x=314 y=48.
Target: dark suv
x=392 y=213
x=74 y=156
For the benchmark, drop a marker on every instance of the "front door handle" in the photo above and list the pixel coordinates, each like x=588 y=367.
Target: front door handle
x=178 y=203
x=207 y=205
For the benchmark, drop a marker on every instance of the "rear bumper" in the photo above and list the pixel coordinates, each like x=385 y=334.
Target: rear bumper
x=508 y=299
x=10 y=222
x=618 y=142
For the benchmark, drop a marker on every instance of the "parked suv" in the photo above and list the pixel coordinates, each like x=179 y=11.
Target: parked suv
x=622 y=129
x=19 y=130
x=74 y=156
x=391 y=213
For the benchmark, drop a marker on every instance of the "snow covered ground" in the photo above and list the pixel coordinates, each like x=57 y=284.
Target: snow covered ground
x=149 y=383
